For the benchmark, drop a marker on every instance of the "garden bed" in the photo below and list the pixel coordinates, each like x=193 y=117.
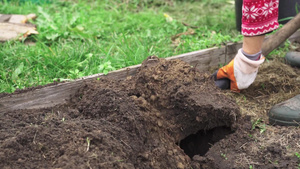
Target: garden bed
x=168 y=114
x=143 y=121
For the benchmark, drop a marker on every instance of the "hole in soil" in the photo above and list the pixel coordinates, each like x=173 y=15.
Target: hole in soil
x=199 y=143
x=135 y=94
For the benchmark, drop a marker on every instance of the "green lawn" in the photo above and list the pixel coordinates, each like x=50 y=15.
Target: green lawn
x=80 y=38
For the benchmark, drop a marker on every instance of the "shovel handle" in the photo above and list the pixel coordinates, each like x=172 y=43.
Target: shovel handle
x=281 y=35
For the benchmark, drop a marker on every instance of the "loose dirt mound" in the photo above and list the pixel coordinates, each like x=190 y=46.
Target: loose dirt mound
x=159 y=118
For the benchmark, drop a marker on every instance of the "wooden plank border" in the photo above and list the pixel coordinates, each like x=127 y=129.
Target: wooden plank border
x=58 y=94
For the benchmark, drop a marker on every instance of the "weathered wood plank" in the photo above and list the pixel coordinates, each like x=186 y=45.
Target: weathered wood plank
x=4 y=17
x=13 y=26
x=58 y=94
x=11 y=31
x=17 y=19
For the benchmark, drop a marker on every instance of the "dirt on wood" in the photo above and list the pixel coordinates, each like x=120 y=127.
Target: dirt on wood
x=169 y=115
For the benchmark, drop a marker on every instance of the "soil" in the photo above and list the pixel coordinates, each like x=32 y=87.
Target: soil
x=169 y=115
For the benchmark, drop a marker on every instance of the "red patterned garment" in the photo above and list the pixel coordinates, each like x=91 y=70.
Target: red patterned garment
x=259 y=17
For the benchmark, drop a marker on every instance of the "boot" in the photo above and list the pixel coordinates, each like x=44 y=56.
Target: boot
x=293 y=58
x=286 y=113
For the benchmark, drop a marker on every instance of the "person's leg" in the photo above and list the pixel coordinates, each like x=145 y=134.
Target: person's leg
x=259 y=17
x=253 y=44
x=252 y=47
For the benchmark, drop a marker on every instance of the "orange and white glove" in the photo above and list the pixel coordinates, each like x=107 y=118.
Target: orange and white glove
x=239 y=74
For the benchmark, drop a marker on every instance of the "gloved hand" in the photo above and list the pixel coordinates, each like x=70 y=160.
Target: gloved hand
x=239 y=74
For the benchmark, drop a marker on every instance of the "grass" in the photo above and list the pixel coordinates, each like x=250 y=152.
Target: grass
x=82 y=38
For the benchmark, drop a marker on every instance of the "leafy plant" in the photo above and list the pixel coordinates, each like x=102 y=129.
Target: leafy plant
x=106 y=67
x=76 y=73
x=17 y=72
x=259 y=123
x=224 y=156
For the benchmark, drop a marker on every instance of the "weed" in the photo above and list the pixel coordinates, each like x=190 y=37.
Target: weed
x=75 y=73
x=106 y=67
x=263 y=86
x=80 y=96
x=259 y=123
x=244 y=98
x=221 y=65
x=88 y=144
x=224 y=156
x=273 y=162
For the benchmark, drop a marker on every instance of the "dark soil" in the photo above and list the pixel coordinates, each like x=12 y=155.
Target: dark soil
x=169 y=115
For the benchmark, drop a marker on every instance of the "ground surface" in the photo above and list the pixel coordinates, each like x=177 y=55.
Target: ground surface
x=167 y=116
